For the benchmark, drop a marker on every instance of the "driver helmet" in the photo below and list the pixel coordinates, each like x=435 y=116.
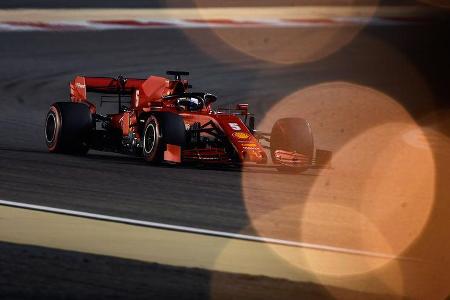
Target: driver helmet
x=189 y=103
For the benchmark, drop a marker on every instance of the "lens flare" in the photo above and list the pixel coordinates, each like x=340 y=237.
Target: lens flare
x=377 y=197
x=284 y=45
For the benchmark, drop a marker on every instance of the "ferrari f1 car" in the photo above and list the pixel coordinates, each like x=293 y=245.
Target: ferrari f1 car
x=159 y=119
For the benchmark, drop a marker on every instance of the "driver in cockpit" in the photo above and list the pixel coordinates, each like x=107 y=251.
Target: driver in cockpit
x=189 y=104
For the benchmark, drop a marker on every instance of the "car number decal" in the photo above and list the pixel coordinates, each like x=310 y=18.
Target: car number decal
x=235 y=126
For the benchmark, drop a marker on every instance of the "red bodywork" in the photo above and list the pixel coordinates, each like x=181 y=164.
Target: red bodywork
x=150 y=95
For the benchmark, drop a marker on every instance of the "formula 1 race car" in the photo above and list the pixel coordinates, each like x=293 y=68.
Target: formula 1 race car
x=163 y=122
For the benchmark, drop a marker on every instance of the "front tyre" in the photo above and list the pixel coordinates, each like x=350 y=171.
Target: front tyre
x=292 y=135
x=68 y=126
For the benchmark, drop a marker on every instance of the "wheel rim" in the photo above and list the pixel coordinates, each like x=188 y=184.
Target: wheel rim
x=149 y=138
x=50 y=128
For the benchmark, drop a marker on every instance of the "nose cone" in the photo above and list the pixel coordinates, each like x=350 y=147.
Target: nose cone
x=254 y=155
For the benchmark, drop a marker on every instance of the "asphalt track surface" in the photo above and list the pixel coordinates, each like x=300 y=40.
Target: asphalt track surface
x=136 y=280
x=35 y=69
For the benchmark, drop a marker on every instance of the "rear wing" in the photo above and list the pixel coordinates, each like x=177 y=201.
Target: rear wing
x=107 y=85
x=81 y=85
x=150 y=89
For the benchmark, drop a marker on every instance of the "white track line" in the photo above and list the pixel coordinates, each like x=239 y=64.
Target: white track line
x=199 y=230
x=85 y=25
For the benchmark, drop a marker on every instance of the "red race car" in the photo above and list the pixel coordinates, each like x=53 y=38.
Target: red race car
x=160 y=120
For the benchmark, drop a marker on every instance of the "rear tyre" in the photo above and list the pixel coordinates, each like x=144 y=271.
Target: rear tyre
x=292 y=134
x=67 y=128
x=153 y=149
x=162 y=128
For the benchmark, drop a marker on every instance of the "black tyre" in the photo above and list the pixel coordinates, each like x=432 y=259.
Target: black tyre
x=161 y=129
x=292 y=134
x=67 y=128
x=153 y=149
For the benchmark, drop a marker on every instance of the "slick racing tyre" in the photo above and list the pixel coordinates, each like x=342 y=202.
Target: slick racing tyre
x=152 y=144
x=67 y=128
x=161 y=129
x=292 y=135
